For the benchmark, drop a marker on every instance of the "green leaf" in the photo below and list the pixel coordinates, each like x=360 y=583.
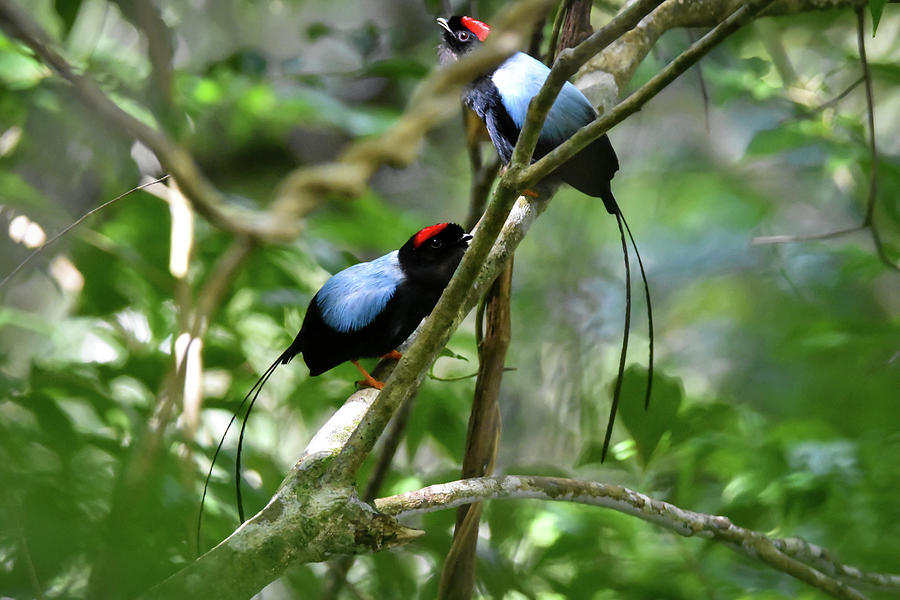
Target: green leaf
x=787 y=137
x=68 y=12
x=451 y=354
x=648 y=426
x=876 y=7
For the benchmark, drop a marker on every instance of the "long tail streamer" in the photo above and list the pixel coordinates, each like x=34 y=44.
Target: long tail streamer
x=649 y=316
x=256 y=387
x=621 y=374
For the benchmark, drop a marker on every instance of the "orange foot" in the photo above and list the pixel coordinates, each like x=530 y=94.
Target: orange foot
x=531 y=194
x=367 y=379
x=392 y=355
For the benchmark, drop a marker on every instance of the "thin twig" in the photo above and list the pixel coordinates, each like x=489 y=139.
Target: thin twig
x=870 y=113
x=829 y=103
x=76 y=224
x=790 y=239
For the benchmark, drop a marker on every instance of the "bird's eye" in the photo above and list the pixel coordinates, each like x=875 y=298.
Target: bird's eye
x=436 y=243
x=463 y=36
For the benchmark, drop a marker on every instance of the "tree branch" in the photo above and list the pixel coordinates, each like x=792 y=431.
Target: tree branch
x=587 y=134
x=304 y=189
x=566 y=64
x=784 y=555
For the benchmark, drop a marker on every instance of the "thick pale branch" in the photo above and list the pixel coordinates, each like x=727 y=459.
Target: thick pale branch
x=303 y=522
x=784 y=555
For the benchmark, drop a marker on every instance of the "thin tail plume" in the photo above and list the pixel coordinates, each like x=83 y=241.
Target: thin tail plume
x=256 y=388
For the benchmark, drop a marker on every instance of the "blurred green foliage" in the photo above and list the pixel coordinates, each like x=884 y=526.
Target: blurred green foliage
x=778 y=371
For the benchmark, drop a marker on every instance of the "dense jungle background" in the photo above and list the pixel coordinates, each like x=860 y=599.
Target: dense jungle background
x=778 y=360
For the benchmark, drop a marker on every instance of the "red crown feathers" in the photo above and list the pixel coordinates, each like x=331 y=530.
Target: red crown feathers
x=479 y=28
x=427 y=233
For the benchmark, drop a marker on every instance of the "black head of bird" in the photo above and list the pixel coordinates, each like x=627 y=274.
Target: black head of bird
x=461 y=36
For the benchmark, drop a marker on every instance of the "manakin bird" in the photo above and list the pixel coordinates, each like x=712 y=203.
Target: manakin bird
x=364 y=311
x=501 y=98
x=368 y=309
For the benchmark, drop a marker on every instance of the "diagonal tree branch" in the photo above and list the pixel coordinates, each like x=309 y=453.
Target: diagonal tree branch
x=568 y=61
x=175 y=159
x=587 y=134
x=788 y=556
x=306 y=188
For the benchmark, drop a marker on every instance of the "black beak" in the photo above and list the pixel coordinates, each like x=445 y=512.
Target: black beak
x=466 y=238
x=443 y=23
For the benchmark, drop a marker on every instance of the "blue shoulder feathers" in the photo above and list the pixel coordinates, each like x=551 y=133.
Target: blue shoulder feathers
x=353 y=298
x=520 y=78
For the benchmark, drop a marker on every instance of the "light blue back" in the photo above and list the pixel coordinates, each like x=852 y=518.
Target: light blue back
x=352 y=298
x=520 y=78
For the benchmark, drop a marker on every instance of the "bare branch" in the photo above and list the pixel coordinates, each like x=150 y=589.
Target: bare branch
x=790 y=239
x=784 y=555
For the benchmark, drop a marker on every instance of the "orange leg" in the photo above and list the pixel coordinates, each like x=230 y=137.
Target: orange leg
x=368 y=379
x=531 y=194
x=393 y=355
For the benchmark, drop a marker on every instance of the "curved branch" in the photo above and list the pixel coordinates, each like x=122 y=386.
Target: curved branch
x=177 y=161
x=788 y=555
x=304 y=189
